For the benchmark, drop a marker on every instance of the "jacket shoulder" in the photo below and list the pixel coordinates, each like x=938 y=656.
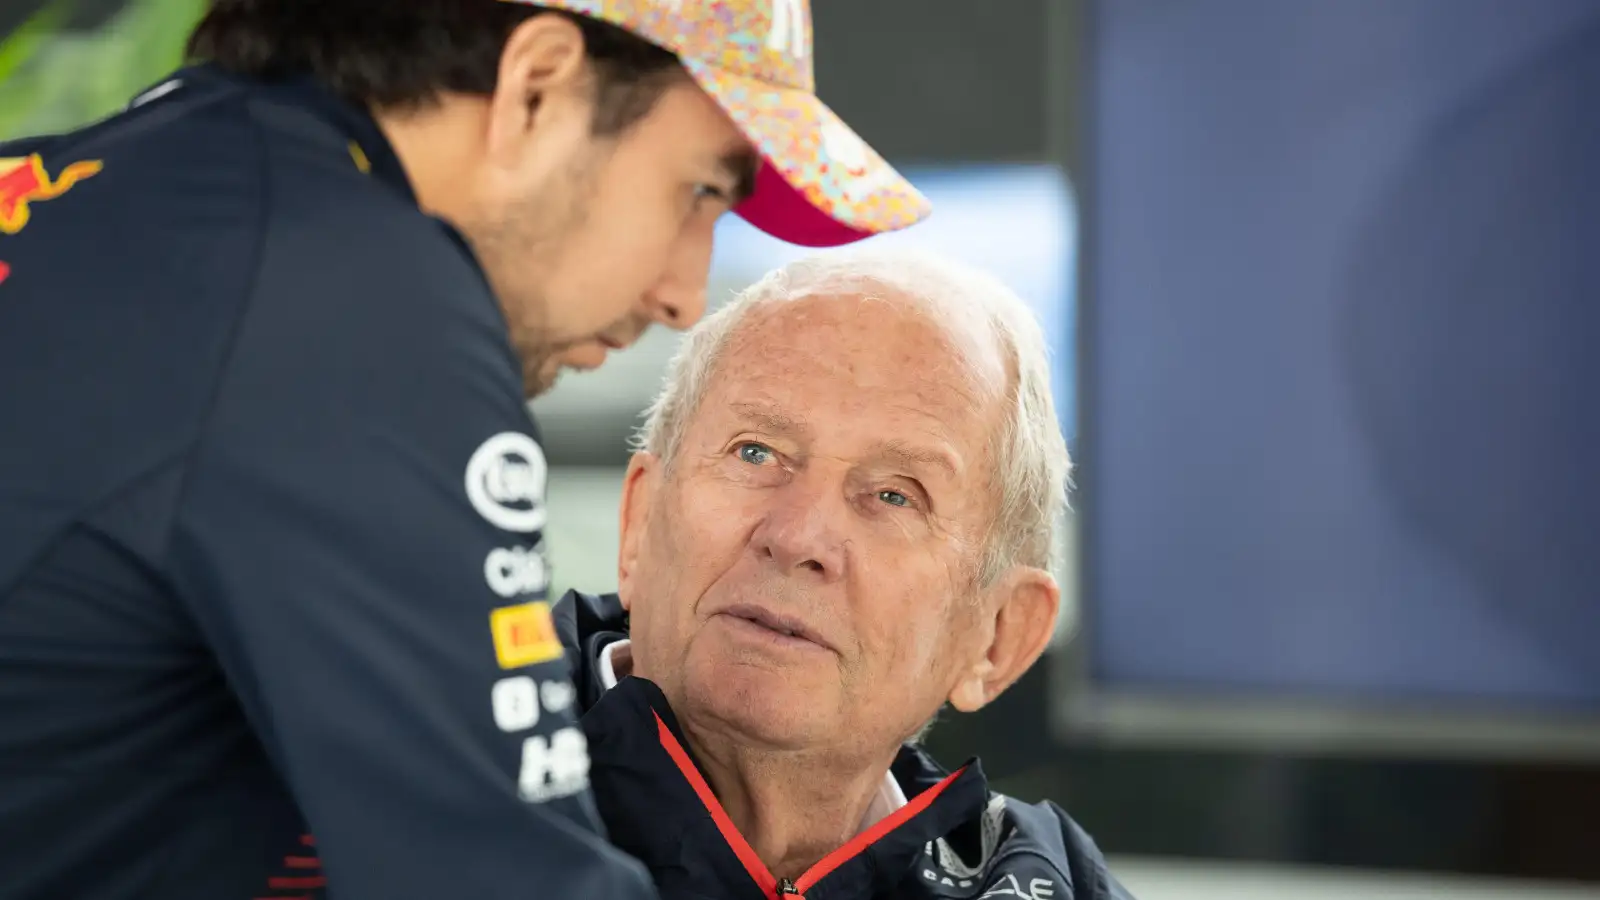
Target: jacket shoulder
x=1045 y=832
x=1030 y=851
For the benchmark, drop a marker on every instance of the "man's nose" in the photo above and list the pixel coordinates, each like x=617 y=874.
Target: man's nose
x=679 y=299
x=799 y=535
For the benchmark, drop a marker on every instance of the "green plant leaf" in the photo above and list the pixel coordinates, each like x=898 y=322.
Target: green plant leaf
x=61 y=80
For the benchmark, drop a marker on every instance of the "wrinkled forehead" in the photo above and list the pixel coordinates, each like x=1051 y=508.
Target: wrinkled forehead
x=885 y=319
x=876 y=354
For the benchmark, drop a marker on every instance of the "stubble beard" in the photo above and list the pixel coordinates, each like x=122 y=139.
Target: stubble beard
x=524 y=243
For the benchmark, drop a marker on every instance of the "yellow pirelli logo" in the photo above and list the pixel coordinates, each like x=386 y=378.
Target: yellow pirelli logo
x=524 y=634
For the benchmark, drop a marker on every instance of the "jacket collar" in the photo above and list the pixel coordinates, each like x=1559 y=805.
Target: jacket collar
x=344 y=126
x=657 y=807
x=353 y=130
x=368 y=146
x=888 y=798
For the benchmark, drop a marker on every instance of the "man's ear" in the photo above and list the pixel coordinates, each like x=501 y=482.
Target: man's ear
x=1020 y=617
x=638 y=494
x=542 y=89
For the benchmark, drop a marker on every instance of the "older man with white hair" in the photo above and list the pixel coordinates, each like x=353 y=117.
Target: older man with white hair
x=841 y=518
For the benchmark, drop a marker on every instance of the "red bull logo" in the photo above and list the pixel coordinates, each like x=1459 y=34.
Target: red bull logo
x=25 y=181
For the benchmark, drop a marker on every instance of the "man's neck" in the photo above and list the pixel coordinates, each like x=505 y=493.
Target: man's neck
x=437 y=145
x=792 y=808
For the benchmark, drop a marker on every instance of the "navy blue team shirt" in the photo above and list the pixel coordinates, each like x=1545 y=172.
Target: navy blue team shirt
x=272 y=587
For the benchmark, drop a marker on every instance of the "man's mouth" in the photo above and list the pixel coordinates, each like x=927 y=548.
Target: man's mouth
x=787 y=628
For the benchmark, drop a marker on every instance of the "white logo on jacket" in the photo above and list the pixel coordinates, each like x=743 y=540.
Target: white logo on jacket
x=512 y=571
x=515 y=701
x=553 y=768
x=1010 y=886
x=506 y=481
x=557 y=695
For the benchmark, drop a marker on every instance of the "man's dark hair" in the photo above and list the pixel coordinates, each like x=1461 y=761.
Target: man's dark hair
x=395 y=54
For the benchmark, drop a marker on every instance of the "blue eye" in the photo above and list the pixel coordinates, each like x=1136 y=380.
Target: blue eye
x=754 y=454
x=894 y=498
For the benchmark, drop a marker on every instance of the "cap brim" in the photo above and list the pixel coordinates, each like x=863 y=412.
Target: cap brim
x=821 y=186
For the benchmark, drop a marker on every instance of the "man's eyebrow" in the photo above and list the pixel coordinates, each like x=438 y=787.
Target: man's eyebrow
x=770 y=420
x=741 y=166
x=913 y=457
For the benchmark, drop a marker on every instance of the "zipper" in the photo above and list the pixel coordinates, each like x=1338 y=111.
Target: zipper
x=788 y=887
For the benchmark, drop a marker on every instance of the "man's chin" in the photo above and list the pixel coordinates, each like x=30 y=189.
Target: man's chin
x=541 y=380
x=761 y=706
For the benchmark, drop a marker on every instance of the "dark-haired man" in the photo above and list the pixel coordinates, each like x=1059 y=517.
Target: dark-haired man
x=270 y=500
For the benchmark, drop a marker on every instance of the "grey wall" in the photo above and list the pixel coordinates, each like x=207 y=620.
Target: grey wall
x=938 y=80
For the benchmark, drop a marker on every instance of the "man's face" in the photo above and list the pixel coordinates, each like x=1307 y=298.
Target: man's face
x=589 y=239
x=834 y=483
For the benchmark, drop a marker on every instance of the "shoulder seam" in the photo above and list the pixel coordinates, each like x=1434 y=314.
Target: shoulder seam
x=84 y=517
x=177 y=458
x=220 y=374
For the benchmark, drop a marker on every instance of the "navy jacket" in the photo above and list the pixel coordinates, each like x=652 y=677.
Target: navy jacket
x=954 y=839
x=270 y=508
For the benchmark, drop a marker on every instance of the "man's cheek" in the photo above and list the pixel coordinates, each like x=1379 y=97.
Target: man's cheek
x=901 y=650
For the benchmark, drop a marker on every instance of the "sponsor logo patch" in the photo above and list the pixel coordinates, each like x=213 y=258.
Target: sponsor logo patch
x=557 y=767
x=1013 y=886
x=24 y=181
x=557 y=695
x=506 y=480
x=510 y=571
x=524 y=635
x=515 y=701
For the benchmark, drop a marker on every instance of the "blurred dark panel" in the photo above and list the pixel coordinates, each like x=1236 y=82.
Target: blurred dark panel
x=81 y=15
x=937 y=80
x=14 y=12
x=1337 y=418
x=90 y=14
x=1507 y=818
x=1471 y=294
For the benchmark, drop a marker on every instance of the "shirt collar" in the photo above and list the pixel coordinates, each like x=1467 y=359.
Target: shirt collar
x=888 y=798
x=369 y=148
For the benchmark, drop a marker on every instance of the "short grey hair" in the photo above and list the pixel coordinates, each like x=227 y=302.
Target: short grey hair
x=1032 y=464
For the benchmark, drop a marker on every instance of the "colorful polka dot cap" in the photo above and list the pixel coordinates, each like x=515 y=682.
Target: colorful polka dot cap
x=822 y=185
